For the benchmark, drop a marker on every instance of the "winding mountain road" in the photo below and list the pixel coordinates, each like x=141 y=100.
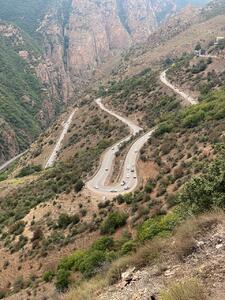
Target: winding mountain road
x=58 y=145
x=186 y=97
x=129 y=179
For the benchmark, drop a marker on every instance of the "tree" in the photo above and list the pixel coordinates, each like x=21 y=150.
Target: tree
x=79 y=186
x=198 y=47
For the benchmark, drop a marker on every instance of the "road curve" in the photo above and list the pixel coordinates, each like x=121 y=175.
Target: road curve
x=128 y=181
x=186 y=97
x=58 y=145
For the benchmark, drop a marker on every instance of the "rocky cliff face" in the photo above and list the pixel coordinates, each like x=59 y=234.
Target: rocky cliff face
x=81 y=34
x=88 y=32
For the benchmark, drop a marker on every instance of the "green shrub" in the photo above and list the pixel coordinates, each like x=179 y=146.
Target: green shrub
x=206 y=191
x=65 y=220
x=194 y=119
x=92 y=261
x=29 y=170
x=113 y=221
x=163 y=127
x=79 y=186
x=103 y=244
x=149 y=186
x=48 y=276
x=158 y=226
x=72 y=261
x=86 y=262
x=200 y=67
x=127 y=247
x=17 y=228
x=62 y=280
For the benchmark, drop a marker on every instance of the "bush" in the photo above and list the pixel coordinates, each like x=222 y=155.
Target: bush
x=62 y=280
x=158 y=226
x=200 y=67
x=103 y=244
x=192 y=120
x=164 y=127
x=48 y=276
x=18 y=284
x=206 y=191
x=79 y=186
x=86 y=262
x=72 y=261
x=149 y=186
x=91 y=263
x=112 y=222
x=17 y=228
x=29 y=170
x=127 y=247
x=65 y=220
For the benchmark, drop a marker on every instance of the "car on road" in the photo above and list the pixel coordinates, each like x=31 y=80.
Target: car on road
x=128 y=176
x=113 y=191
x=132 y=170
x=96 y=187
x=123 y=183
x=135 y=177
x=126 y=188
x=136 y=151
x=106 y=169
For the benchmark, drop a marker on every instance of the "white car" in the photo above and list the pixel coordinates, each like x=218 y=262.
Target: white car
x=136 y=151
x=126 y=188
x=128 y=176
x=96 y=187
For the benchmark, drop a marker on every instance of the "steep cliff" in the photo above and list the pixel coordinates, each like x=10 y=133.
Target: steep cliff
x=87 y=32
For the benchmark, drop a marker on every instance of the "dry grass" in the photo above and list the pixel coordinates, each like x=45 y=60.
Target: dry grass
x=186 y=234
x=187 y=290
x=145 y=255
x=87 y=290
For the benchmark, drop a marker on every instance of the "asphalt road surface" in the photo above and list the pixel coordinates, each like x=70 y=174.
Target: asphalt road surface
x=129 y=179
x=9 y=162
x=58 y=145
x=186 y=97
